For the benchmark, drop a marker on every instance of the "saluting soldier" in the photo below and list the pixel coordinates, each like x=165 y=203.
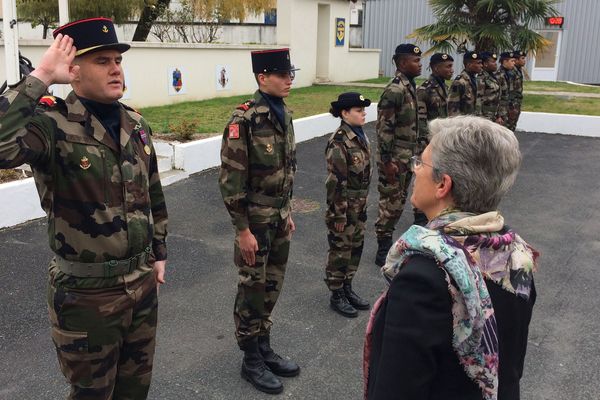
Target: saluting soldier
x=432 y=95
x=494 y=97
x=348 y=156
x=517 y=89
x=465 y=90
x=398 y=139
x=96 y=173
x=258 y=163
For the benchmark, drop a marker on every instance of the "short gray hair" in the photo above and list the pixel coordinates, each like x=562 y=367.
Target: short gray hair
x=480 y=156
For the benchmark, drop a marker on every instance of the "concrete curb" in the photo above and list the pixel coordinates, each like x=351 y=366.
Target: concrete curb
x=21 y=202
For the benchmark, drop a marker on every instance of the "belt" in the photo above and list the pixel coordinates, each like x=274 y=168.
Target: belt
x=106 y=269
x=355 y=194
x=270 y=201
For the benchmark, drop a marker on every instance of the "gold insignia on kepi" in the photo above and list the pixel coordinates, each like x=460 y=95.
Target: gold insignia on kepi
x=269 y=148
x=104 y=29
x=85 y=163
x=474 y=55
x=444 y=56
x=361 y=97
x=417 y=50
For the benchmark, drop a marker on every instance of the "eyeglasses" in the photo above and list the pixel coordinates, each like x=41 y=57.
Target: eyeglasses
x=417 y=162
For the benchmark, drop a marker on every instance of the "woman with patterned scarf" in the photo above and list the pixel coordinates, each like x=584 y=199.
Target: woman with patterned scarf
x=453 y=322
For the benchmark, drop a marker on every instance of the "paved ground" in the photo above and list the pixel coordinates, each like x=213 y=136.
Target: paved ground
x=554 y=205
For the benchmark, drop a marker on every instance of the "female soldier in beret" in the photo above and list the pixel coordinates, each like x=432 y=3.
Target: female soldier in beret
x=348 y=156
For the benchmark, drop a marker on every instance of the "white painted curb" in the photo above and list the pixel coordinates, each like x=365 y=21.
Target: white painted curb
x=564 y=124
x=21 y=203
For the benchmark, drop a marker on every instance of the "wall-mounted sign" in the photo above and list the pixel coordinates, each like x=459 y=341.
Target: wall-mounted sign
x=340 y=31
x=176 y=78
x=223 y=75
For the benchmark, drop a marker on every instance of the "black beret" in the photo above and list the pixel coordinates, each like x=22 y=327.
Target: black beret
x=276 y=60
x=349 y=100
x=471 y=56
x=507 y=54
x=519 y=53
x=408 y=48
x=440 y=58
x=92 y=34
x=486 y=55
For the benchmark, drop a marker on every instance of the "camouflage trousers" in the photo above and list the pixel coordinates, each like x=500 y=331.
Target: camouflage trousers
x=345 y=248
x=514 y=112
x=259 y=285
x=105 y=337
x=392 y=197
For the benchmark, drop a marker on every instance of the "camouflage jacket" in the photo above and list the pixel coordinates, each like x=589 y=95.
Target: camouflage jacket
x=432 y=101
x=518 y=79
x=509 y=78
x=397 y=127
x=258 y=163
x=464 y=98
x=104 y=202
x=349 y=170
x=494 y=97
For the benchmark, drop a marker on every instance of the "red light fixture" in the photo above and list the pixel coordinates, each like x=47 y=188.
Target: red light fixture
x=555 y=21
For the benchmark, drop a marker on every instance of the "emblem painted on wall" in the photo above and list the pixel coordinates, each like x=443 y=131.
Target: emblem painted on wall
x=340 y=31
x=177 y=80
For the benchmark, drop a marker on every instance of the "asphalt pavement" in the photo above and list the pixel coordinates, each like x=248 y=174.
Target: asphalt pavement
x=553 y=205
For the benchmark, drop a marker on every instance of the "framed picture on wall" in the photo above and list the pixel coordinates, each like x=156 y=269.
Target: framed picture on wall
x=176 y=79
x=340 y=31
x=223 y=77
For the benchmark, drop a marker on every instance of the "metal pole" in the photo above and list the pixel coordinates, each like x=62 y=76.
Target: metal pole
x=63 y=12
x=11 y=41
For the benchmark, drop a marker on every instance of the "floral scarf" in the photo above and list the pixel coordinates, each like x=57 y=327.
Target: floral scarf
x=474 y=326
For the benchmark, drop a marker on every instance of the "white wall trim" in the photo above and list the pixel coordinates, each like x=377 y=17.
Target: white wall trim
x=564 y=124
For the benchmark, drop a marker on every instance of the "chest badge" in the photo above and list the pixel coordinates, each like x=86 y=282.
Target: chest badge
x=85 y=163
x=355 y=160
x=144 y=139
x=269 y=148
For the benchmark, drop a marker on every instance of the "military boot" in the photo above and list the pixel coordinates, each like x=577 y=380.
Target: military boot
x=255 y=371
x=277 y=364
x=383 y=246
x=340 y=304
x=355 y=300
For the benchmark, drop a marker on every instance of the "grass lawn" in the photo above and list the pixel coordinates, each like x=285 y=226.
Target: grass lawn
x=213 y=114
x=561 y=105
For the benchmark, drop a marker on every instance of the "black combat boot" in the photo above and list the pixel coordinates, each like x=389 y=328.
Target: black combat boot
x=255 y=371
x=277 y=364
x=340 y=303
x=383 y=246
x=354 y=299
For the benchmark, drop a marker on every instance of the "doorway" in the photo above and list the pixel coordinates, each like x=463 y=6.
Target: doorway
x=323 y=31
x=545 y=63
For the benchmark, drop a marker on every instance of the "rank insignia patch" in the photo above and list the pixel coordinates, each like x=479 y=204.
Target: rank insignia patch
x=85 y=163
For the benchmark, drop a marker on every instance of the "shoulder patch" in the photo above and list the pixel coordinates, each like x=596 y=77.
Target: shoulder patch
x=339 y=135
x=246 y=105
x=396 y=80
x=234 y=131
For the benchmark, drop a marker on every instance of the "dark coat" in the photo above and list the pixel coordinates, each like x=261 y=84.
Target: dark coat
x=411 y=354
